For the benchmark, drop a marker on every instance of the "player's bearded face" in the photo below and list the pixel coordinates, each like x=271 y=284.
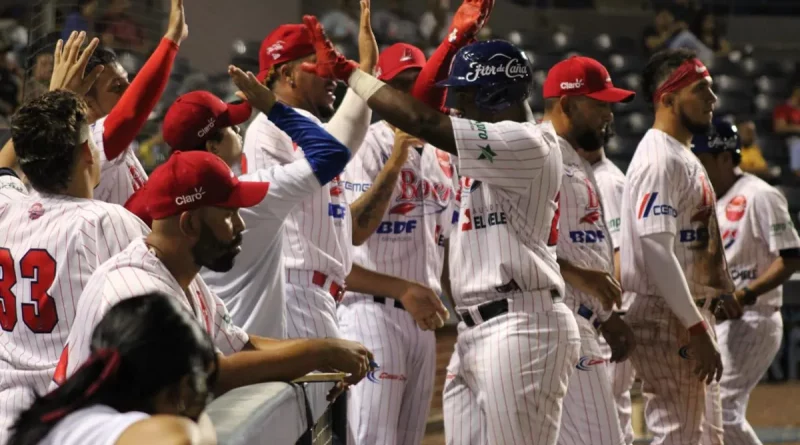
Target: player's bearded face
x=213 y=253
x=695 y=105
x=590 y=121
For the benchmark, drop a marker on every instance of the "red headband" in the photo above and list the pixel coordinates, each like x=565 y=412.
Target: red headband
x=688 y=73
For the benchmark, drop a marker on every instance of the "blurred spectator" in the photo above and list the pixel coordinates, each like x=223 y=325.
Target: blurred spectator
x=752 y=158
x=685 y=12
x=786 y=122
x=706 y=29
x=435 y=21
x=39 y=81
x=80 y=19
x=118 y=30
x=9 y=83
x=394 y=24
x=341 y=23
x=664 y=28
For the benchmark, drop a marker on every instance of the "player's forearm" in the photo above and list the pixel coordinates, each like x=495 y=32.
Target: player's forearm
x=435 y=69
x=326 y=155
x=368 y=210
x=405 y=112
x=267 y=360
x=664 y=269
x=778 y=272
x=617 y=266
x=574 y=275
x=369 y=282
x=350 y=122
x=8 y=157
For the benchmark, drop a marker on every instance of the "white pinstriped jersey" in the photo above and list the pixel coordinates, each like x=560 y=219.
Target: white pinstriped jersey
x=666 y=191
x=755 y=224
x=583 y=239
x=137 y=271
x=253 y=290
x=611 y=183
x=507 y=231
x=49 y=247
x=319 y=234
x=119 y=177
x=409 y=243
x=12 y=187
x=96 y=424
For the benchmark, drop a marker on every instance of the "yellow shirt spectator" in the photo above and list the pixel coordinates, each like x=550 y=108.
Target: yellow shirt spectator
x=753 y=161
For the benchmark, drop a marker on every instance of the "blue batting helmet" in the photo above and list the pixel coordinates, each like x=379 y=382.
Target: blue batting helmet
x=499 y=71
x=722 y=137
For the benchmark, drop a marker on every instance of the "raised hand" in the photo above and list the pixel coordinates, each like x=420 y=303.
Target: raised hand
x=425 y=306
x=469 y=20
x=403 y=141
x=69 y=70
x=367 y=45
x=330 y=63
x=251 y=90
x=178 y=30
x=349 y=357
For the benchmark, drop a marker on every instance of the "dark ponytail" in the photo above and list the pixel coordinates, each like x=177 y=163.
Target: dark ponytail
x=140 y=347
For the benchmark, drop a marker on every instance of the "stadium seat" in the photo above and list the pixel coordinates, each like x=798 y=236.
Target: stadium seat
x=773 y=86
x=637 y=105
x=619 y=64
x=543 y=62
x=626 y=45
x=622 y=146
x=631 y=81
x=730 y=104
x=773 y=147
x=633 y=124
x=754 y=67
x=247 y=49
x=726 y=84
x=765 y=104
x=131 y=62
x=602 y=43
x=723 y=65
x=559 y=43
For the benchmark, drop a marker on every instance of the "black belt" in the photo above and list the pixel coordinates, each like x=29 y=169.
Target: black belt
x=496 y=308
x=587 y=313
x=715 y=302
x=382 y=300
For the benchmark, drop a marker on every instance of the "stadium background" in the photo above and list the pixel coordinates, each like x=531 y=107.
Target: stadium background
x=758 y=74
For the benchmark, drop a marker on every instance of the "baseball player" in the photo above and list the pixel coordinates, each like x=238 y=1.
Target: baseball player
x=763 y=251
x=392 y=408
x=610 y=184
x=320 y=231
x=578 y=95
x=119 y=110
x=673 y=263
x=253 y=289
x=50 y=243
x=505 y=278
x=194 y=201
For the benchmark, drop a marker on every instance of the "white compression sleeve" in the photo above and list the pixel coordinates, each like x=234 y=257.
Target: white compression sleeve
x=350 y=123
x=664 y=269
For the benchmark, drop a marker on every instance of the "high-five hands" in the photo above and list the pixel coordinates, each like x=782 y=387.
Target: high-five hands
x=69 y=68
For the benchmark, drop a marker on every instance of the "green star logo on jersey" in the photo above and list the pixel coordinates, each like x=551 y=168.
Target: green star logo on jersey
x=486 y=153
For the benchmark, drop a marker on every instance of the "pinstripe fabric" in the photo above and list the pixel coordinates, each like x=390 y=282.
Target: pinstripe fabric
x=590 y=415
x=390 y=411
x=463 y=422
x=310 y=310
x=77 y=235
x=755 y=225
x=391 y=406
x=318 y=232
x=622 y=377
x=137 y=271
x=119 y=177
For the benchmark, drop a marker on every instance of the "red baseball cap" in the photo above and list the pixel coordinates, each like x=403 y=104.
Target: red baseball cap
x=583 y=76
x=285 y=43
x=398 y=58
x=191 y=180
x=191 y=118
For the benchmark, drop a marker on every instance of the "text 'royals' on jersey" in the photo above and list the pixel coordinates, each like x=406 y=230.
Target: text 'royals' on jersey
x=667 y=191
x=49 y=247
x=319 y=233
x=507 y=232
x=755 y=224
x=409 y=242
x=583 y=237
x=138 y=271
x=119 y=177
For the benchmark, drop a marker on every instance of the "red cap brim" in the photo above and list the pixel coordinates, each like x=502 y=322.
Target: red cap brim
x=246 y=194
x=239 y=113
x=387 y=76
x=138 y=205
x=613 y=95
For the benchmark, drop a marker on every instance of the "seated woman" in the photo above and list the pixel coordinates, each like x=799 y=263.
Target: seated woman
x=149 y=379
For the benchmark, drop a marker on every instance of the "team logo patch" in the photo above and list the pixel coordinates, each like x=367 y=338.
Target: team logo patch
x=729 y=237
x=36 y=211
x=375 y=376
x=705 y=208
x=685 y=353
x=586 y=363
x=487 y=153
x=734 y=211
x=649 y=207
x=419 y=196
x=444 y=163
x=336 y=189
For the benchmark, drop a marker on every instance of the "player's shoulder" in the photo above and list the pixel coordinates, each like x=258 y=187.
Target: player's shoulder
x=759 y=191
x=657 y=151
x=606 y=171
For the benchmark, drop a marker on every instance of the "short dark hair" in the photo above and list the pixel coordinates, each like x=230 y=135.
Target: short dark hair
x=659 y=68
x=102 y=56
x=46 y=133
x=214 y=135
x=130 y=333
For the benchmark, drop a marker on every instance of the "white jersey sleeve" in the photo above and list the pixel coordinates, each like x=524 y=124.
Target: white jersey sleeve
x=266 y=145
x=288 y=185
x=611 y=183
x=119 y=177
x=96 y=424
x=505 y=154
x=772 y=222
x=11 y=187
x=655 y=195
